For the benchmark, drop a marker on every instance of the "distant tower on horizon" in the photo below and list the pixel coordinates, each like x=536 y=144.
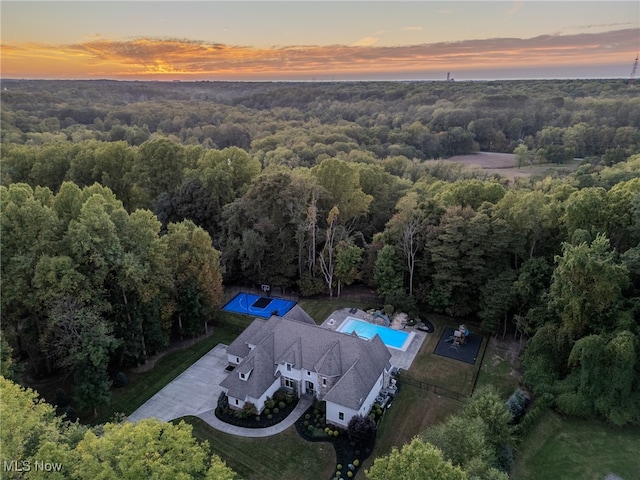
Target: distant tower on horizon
x=632 y=78
x=449 y=79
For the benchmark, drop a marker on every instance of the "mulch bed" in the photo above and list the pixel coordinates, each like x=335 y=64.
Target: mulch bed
x=256 y=421
x=346 y=453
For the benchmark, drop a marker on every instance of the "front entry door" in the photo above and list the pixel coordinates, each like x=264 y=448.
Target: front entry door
x=309 y=387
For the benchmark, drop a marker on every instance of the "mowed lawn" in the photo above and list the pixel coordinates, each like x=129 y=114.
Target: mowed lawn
x=570 y=448
x=285 y=455
x=447 y=373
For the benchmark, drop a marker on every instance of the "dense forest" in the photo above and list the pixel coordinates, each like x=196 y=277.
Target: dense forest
x=127 y=205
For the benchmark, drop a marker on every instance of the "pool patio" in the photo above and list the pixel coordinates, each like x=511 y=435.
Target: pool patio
x=400 y=359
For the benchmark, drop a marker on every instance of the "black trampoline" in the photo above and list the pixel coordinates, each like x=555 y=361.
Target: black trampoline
x=467 y=352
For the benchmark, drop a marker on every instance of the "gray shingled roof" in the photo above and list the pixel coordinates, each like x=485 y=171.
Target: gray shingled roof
x=297 y=313
x=356 y=383
x=239 y=347
x=309 y=347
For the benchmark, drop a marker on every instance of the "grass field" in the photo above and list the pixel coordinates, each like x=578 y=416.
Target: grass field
x=500 y=367
x=285 y=455
x=570 y=448
x=505 y=164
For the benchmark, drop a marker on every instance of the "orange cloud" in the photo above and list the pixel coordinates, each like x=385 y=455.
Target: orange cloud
x=178 y=58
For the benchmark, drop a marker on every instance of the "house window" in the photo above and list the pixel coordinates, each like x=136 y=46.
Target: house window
x=289 y=383
x=236 y=401
x=237 y=360
x=288 y=367
x=308 y=373
x=242 y=376
x=324 y=382
x=340 y=415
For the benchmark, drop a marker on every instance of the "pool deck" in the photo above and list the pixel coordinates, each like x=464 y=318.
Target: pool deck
x=400 y=359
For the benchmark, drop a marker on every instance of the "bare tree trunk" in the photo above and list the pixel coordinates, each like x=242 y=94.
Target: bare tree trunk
x=504 y=329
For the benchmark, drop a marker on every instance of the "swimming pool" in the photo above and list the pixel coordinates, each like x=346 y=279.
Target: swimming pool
x=391 y=338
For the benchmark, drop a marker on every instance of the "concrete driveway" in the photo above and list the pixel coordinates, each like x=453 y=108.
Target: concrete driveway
x=193 y=392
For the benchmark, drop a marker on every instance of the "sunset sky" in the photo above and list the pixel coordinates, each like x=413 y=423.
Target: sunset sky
x=325 y=40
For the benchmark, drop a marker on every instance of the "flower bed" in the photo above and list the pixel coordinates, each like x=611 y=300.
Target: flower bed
x=277 y=409
x=312 y=427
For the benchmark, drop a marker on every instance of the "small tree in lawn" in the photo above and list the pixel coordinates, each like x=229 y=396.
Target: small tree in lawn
x=361 y=429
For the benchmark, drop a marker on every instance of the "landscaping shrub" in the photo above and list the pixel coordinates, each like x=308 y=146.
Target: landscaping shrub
x=280 y=395
x=223 y=401
x=516 y=404
x=282 y=404
x=248 y=416
x=361 y=429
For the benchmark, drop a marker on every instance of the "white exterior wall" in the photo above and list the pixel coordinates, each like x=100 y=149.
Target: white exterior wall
x=259 y=402
x=333 y=409
x=371 y=398
x=233 y=404
x=333 y=414
x=233 y=359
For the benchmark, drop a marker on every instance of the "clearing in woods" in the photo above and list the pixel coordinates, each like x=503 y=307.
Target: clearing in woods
x=505 y=164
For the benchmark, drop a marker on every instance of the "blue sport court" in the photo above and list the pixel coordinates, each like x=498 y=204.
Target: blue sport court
x=264 y=307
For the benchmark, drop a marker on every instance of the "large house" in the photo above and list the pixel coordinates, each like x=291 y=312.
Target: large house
x=345 y=371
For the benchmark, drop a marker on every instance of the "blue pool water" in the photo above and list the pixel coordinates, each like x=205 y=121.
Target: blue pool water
x=391 y=338
x=245 y=303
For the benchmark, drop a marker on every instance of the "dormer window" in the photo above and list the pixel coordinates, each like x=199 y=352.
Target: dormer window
x=324 y=382
x=243 y=376
x=288 y=367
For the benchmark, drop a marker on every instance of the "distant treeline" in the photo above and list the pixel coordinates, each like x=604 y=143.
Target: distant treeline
x=299 y=124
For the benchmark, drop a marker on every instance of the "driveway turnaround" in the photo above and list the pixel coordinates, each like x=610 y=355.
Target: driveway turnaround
x=195 y=392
